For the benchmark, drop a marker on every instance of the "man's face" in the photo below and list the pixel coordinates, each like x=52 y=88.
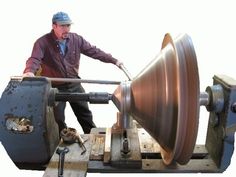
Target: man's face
x=61 y=31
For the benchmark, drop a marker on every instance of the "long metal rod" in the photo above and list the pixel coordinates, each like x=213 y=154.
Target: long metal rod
x=84 y=81
x=74 y=80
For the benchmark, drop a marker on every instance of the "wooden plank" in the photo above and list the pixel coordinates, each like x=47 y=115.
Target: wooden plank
x=147 y=143
x=107 y=149
x=92 y=161
x=97 y=150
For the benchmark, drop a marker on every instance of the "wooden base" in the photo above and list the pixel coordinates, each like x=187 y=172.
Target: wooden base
x=93 y=160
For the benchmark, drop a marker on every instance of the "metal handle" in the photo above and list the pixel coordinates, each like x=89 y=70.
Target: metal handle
x=122 y=67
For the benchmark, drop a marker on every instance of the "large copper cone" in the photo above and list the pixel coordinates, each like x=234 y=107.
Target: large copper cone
x=165 y=99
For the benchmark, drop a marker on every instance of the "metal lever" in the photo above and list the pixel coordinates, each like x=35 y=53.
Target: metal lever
x=122 y=67
x=81 y=142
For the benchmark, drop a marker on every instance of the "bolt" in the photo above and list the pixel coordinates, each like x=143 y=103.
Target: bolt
x=214 y=119
x=233 y=107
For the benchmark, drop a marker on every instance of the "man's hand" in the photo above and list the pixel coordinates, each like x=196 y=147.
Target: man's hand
x=119 y=64
x=122 y=67
x=28 y=74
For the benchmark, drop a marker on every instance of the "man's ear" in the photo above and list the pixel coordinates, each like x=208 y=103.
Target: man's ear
x=54 y=26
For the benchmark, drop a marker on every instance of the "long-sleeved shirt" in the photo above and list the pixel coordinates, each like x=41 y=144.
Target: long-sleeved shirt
x=47 y=56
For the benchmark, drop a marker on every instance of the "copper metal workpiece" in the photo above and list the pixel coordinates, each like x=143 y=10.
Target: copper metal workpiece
x=165 y=99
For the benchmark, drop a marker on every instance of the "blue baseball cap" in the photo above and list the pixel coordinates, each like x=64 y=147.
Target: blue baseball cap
x=61 y=18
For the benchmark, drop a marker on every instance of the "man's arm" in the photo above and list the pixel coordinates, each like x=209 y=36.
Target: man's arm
x=96 y=53
x=34 y=62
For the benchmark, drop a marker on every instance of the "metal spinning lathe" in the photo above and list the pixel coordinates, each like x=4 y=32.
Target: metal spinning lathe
x=156 y=127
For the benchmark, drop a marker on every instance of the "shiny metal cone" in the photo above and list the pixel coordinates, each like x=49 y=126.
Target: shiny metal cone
x=165 y=99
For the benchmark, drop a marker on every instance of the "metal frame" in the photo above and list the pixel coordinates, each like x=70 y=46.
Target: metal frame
x=213 y=157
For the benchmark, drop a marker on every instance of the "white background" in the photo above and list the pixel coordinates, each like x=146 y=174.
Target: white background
x=132 y=31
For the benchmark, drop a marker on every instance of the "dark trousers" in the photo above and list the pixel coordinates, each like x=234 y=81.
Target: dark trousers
x=80 y=109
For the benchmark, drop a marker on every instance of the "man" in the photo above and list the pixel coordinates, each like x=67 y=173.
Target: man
x=57 y=54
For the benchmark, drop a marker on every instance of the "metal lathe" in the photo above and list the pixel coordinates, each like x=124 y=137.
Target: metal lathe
x=156 y=127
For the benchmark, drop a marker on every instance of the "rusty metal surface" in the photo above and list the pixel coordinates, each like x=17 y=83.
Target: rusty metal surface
x=165 y=99
x=220 y=137
x=27 y=123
